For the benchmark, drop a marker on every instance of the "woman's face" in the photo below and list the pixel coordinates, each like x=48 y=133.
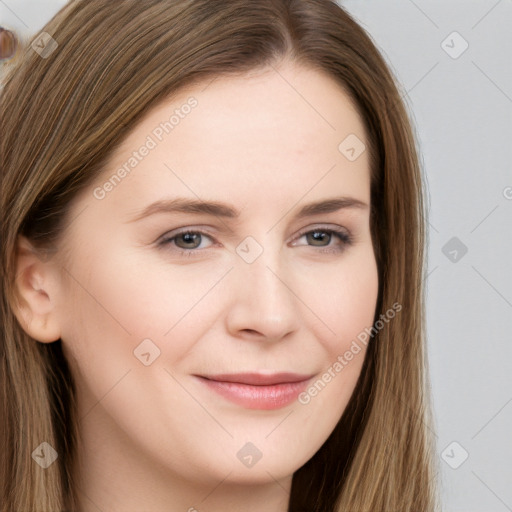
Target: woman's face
x=198 y=353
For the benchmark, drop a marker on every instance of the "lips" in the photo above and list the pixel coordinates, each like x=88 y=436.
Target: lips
x=259 y=379
x=257 y=390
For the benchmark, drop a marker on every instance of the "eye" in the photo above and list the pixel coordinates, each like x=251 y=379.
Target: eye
x=320 y=235
x=187 y=242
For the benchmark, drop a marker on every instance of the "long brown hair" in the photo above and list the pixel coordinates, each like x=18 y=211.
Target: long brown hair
x=64 y=114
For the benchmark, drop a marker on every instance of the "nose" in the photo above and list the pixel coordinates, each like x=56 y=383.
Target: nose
x=262 y=304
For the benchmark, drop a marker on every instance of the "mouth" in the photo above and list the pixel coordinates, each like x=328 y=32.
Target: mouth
x=257 y=390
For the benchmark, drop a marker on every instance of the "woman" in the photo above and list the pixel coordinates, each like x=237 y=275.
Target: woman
x=177 y=333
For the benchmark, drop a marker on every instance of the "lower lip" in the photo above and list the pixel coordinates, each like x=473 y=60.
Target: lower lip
x=275 y=396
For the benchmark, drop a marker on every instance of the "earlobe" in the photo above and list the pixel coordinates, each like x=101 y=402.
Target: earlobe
x=35 y=294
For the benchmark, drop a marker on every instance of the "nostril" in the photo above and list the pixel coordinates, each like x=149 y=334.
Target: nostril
x=251 y=331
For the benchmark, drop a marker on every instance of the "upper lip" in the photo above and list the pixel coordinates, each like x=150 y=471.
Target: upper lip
x=258 y=379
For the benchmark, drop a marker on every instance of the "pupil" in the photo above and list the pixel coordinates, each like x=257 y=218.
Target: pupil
x=319 y=235
x=189 y=237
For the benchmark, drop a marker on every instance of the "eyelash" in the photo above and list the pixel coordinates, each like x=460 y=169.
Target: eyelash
x=346 y=241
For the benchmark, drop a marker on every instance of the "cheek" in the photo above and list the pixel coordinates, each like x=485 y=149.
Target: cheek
x=348 y=308
x=346 y=302
x=124 y=290
x=113 y=304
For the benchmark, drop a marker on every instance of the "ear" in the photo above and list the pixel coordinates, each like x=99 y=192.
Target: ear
x=35 y=293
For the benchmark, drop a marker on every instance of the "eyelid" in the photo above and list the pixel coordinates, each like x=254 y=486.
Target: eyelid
x=169 y=235
x=323 y=227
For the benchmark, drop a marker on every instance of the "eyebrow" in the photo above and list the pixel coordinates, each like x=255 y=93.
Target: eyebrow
x=215 y=208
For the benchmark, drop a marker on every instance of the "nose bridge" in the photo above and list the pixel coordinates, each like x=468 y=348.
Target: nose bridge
x=262 y=301
x=266 y=278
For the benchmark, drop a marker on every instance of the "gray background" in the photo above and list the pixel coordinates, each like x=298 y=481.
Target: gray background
x=461 y=105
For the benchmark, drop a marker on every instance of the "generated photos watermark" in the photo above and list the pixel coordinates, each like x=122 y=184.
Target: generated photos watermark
x=343 y=360
x=152 y=140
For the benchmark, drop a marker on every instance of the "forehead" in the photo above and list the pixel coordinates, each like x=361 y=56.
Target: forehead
x=277 y=134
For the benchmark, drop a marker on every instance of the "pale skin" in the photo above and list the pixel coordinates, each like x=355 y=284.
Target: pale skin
x=154 y=438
